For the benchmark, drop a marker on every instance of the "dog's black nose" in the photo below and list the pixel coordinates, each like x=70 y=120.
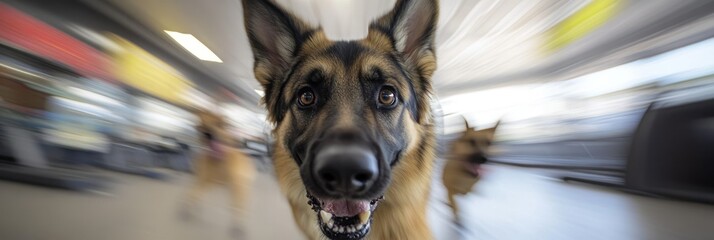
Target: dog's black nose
x=208 y=135
x=345 y=170
x=478 y=158
x=482 y=159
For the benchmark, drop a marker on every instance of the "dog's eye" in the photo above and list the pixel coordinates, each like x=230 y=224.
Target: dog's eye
x=306 y=97
x=387 y=97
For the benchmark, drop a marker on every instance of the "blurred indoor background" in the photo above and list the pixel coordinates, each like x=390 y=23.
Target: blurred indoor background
x=606 y=110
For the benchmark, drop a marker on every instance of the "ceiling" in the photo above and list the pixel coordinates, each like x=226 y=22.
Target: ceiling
x=480 y=44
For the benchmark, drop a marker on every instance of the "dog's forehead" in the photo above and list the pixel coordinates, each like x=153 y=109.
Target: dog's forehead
x=208 y=118
x=472 y=134
x=347 y=52
x=349 y=57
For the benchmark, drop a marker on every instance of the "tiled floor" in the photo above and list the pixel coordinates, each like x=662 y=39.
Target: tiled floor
x=510 y=203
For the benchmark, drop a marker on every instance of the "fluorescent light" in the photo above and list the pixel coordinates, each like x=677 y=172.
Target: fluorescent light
x=259 y=92
x=193 y=45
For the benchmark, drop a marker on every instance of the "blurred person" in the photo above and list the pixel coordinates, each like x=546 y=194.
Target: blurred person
x=354 y=130
x=220 y=162
x=463 y=164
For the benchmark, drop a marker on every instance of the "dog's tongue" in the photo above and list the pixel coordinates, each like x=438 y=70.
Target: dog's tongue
x=216 y=150
x=345 y=208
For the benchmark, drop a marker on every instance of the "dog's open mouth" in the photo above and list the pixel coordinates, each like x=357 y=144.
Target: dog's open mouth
x=344 y=219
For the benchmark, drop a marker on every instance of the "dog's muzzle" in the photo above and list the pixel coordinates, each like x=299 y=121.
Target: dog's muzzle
x=345 y=182
x=216 y=148
x=477 y=158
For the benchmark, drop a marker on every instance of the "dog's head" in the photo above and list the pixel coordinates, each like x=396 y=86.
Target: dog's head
x=472 y=145
x=212 y=130
x=346 y=112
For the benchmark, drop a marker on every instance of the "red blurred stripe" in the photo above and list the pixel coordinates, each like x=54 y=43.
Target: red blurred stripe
x=30 y=34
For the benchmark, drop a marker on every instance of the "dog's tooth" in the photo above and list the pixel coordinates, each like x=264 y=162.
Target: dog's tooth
x=330 y=223
x=364 y=216
x=325 y=215
x=353 y=229
x=335 y=228
x=342 y=229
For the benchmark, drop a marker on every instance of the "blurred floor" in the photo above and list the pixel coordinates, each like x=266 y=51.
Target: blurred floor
x=510 y=203
x=520 y=203
x=137 y=208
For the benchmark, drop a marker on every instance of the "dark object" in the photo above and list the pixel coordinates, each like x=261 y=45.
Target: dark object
x=54 y=178
x=672 y=152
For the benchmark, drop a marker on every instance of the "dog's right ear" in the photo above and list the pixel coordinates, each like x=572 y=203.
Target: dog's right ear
x=275 y=37
x=491 y=132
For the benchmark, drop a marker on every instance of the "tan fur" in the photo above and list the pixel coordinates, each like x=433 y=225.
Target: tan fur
x=236 y=170
x=456 y=179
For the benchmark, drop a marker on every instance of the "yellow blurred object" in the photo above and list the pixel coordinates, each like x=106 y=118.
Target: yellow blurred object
x=582 y=22
x=139 y=69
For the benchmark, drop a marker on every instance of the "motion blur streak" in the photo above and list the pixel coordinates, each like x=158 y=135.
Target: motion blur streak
x=605 y=111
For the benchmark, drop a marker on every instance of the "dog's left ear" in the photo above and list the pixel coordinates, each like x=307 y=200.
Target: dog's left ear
x=411 y=26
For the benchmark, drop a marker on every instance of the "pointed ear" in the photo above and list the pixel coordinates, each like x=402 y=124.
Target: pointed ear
x=491 y=132
x=411 y=26
x=275 y=37
x=496 y=125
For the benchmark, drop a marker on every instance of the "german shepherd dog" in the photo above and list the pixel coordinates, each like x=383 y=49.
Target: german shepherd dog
x=462 y=167
x=221 y=163
x=353 y=122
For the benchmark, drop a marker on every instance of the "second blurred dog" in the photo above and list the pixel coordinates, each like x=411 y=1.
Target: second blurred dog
x=463 y=164
x=220 y=162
